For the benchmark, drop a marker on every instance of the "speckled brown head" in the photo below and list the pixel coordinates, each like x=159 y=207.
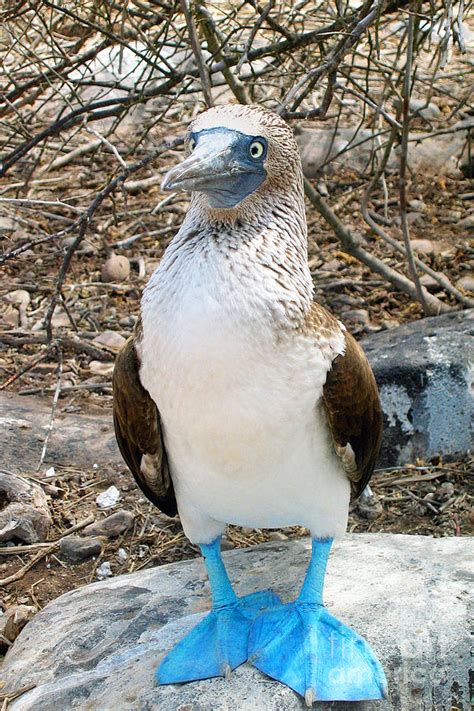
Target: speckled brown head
x=237 y=155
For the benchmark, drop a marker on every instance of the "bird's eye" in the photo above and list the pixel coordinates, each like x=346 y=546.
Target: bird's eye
x=192 y=144
x=257 y=149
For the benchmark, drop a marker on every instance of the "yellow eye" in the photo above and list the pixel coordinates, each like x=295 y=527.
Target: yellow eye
x=192 y=144
x=257 y=149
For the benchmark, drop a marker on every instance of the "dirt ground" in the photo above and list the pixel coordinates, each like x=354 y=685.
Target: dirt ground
x=428 y=498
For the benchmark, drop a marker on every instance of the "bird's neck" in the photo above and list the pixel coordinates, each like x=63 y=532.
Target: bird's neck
x=263 y=247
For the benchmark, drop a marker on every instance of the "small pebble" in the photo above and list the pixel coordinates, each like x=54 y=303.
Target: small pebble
x=429 y=283
x=108 y=498
x=466 y=283
x=356 y=316
x=467 y=223
x=110 y=339
x=417 y=205
x=278 y=536
x=104 y=571
x=12 y=622
x=122 y=555
x=76 y=549
x=226 y=545
x=112 y=526
x=415 y=218
x=97 y=367
x=115 y=269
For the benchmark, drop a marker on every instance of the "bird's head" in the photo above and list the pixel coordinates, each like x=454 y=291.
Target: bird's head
x=236 y=153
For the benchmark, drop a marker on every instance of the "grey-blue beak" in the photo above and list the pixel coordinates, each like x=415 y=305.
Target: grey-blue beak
x=221 y=165
x=211 y=160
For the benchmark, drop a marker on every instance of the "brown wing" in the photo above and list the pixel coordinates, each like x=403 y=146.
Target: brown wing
x=352 y=404
x=138 y=431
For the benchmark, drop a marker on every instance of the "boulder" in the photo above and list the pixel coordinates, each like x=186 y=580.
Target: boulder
x=82 y=440
x=98 y=647
x=353 y=148
x=424 y=373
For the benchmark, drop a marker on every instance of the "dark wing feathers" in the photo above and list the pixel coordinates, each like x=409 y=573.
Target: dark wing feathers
x=138 y=430
x=352 y=405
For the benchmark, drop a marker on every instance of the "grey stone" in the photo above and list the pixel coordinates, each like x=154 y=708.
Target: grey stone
x=115 y=269
x=110 y=339
x=357 y=316
x=423 y=246
x=112 y=526
x=417 y=205
x=24 y=510
x=77 y=549
x=24 y=422
x=467 y=223
x=466 y=282
x=327 y=149
x=450 y=216
x=97 y=648
x=426 y=110
x=424 y=371
x=430 y=283
x=415 y=218
x=104 y=571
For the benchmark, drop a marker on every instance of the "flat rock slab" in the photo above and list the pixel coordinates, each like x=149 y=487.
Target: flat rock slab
x=425 y=374
x=79 y=440
x=97 y=648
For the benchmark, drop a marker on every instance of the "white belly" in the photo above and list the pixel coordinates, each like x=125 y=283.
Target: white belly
x=245 y=435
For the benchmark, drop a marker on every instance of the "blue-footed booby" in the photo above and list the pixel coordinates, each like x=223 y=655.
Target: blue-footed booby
x=239 y=400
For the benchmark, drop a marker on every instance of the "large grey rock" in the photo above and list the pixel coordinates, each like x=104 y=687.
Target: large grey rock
x=425 y=372
x=332 y=148
x=82 y=440
x=97 y=648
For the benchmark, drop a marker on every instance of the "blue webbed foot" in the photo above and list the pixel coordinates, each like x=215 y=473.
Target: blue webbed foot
x=302 y=645
x=218 y=644
x=305 y=647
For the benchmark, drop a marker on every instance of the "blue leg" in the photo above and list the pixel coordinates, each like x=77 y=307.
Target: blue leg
x=219 y=643
x=312 y=652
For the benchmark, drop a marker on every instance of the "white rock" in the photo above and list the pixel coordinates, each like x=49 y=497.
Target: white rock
x=7 y=224
x=10 y=315
x=104 y=571
x=108 y=498
x=417 y=205
x=122 y=555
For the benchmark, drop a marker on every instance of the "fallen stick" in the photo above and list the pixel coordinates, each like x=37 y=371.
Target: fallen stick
x=68 y=388
x=25 y=568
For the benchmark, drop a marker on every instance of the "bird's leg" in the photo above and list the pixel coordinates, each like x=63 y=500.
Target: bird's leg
x=219 y=643
x=307 y=648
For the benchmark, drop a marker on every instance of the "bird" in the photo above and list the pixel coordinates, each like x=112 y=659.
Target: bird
x=241 y=400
